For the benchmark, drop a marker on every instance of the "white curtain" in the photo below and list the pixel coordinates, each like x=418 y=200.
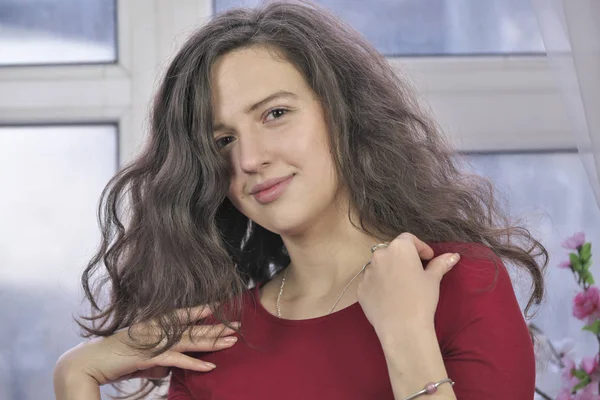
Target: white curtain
x=571 y=33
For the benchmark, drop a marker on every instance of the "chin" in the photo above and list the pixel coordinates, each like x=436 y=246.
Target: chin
x=286 y=228
x=293 y=218
x=285 y=225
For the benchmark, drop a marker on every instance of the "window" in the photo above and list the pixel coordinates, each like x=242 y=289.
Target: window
x=52 y=177
x=552 y=190
x=436 y=27
x=485 y=103
x=57 y=31
x=59 y=109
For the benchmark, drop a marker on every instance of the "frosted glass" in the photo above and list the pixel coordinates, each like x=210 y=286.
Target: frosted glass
x=57 y=31
x=437 y=27
x=51 y=179
x=552 y=192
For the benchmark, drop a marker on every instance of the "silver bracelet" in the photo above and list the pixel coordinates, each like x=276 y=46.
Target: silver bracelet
x=430 y=388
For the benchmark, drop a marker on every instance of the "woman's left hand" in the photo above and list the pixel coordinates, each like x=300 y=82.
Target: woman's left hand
x=397 y=291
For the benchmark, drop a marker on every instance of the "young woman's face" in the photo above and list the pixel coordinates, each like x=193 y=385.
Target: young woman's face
x=272 y=131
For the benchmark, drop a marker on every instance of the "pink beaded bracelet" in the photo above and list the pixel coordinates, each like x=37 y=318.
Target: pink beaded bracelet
x=430 y=388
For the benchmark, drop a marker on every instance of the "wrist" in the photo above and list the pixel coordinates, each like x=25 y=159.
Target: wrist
x=71 y=383
x=414 y=358
x=413 y=350
x=398 y=334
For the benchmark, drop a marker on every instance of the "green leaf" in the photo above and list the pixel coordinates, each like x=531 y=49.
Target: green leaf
x=582 y=383
x=593 y=327
x=587 y=264
x=588 y=277
x=575 y=263
x=580 y=374
x=586 y=251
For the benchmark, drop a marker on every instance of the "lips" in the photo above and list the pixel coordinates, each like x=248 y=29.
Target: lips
x=271 y=189
x=269 y=183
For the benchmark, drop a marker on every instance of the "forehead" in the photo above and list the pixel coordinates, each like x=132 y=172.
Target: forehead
x=244 y=76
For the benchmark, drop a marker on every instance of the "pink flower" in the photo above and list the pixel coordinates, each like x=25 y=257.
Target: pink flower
x=587 y=305
x=565 y=264
x=569 y=365
x=564 y=394
x=587 y=393
x=589 y=364
x=570 y=383
x=574 y=242
x=591 y=367
x=569 y=380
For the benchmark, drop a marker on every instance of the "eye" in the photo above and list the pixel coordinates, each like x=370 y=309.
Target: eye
x=224 y=141
x=277 y=113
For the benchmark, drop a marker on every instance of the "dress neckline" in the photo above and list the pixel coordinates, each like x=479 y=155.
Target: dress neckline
x=354 y=307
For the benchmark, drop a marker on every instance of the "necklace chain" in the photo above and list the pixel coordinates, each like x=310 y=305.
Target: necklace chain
x=336 y=302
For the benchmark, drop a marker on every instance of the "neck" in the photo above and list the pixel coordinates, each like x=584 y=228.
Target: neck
x=324 y=259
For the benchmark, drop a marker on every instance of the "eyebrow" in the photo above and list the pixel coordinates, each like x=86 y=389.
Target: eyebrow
x=277 y=95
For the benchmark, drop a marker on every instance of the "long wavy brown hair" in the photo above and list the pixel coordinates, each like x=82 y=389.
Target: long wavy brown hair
x=170 y=237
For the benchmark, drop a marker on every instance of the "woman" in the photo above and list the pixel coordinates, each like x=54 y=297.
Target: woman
x=291 y=183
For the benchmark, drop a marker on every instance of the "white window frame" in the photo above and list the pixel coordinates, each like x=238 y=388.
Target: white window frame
x=489 y=104
x=149 y=31
x=482 y=103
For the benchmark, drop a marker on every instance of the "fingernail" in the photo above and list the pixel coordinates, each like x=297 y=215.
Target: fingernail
x=453 y=259
x=236 y=324
x=230 y=339
x=210 y=365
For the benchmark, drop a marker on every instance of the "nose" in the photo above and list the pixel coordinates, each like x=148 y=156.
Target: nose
x=253 y=152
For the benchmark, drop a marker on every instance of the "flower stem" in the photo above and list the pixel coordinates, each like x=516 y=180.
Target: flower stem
x=556 y=354
x=544 y=395
x=553 y=350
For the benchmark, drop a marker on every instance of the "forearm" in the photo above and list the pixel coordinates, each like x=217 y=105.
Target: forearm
x=414 y=359
x=68 y=386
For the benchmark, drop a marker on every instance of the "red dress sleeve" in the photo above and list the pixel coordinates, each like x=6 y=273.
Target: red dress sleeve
x=177 y=387
x=485 y=342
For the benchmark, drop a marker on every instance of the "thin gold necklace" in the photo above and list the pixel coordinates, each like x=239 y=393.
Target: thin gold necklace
x=336 y=302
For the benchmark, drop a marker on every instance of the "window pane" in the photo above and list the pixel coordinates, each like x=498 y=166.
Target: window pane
x=553 y=192
x=437 y=27
x=51 y=179
x=57 y=31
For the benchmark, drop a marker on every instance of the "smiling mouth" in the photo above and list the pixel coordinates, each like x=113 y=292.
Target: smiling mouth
x=272 y=193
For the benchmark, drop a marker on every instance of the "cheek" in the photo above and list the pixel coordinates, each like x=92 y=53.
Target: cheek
x=237 y=196
x=235 y=192
x=319 y=158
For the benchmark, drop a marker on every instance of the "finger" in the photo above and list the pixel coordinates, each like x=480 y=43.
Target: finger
x=184 y=315
x=204 y=344
x=210 y=331
x=440 y=265
x=150 y=333
x=425 y=252
x=206 y=338
x=195 y=313
x=179 y=360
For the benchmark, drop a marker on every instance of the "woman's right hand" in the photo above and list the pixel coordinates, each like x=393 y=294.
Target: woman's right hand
x=114 y=358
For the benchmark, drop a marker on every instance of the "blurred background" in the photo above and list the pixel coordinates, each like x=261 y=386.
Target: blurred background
x=77 y=76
